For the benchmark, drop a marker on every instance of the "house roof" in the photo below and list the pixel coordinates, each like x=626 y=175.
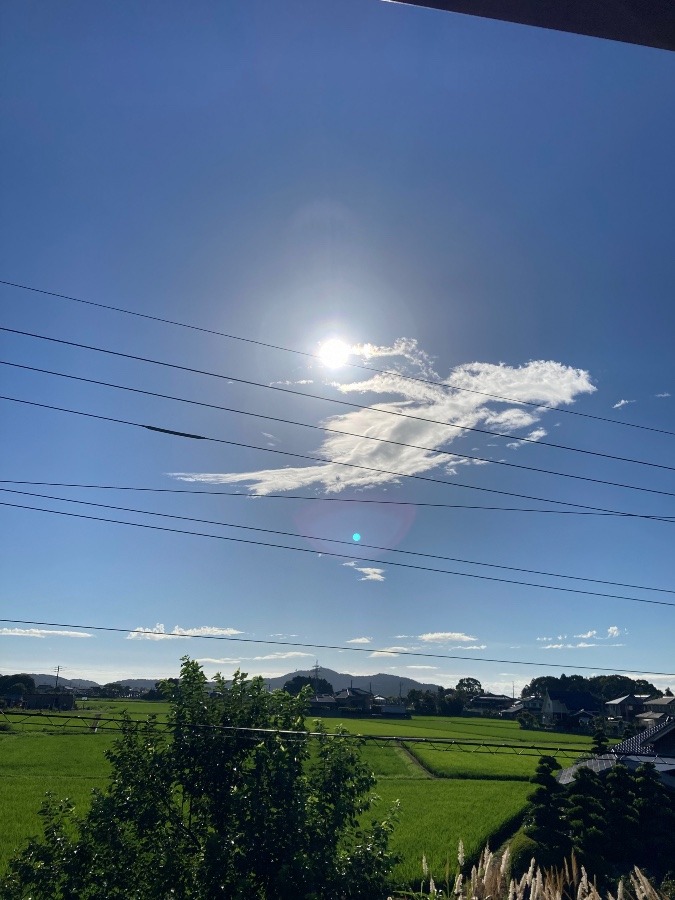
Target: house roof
x=643 y=743
x=662 y=701
x=665 y=766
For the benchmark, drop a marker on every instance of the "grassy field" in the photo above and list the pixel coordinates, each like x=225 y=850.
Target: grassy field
x=445 y=794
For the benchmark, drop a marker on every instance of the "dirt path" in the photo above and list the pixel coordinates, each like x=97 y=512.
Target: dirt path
x=413 y=759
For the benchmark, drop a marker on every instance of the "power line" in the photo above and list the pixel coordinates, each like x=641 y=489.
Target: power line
x=342 y=433
x=314 y=537
x=429 y=381
x=319 y=499
x=367 y=559
x=351 y=404
x=432 y=743
x=199 y=437
x=413 y=503
x=277 y=643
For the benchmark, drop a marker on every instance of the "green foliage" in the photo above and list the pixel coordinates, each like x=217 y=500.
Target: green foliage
x=469 y=687
x=298 y=682
x=208 y=812
x=543 y=822
x=523 y=849
x=606 y=687
x=12 y=684
x=600 y=744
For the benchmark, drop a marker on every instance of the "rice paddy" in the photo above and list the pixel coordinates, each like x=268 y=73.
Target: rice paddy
x=468 y=791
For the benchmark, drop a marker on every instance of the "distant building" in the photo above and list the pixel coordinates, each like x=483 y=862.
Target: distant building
x=626 y=707
x=562 y=706
x=489 y=703
x=352 y=698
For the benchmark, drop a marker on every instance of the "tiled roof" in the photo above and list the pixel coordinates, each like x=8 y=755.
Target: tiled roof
x=642 y=743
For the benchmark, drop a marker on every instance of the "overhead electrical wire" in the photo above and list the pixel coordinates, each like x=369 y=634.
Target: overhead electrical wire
x=306 y=354
x=324 y=428
x=315 y=537
x=322 y=552
x=323 y=499
x=348 y=403
x=200 y=437
x=277 y=643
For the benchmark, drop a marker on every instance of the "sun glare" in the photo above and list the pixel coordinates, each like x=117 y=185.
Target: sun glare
x=334 y=353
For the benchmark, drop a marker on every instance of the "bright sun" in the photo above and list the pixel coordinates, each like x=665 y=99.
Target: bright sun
x=334 y=353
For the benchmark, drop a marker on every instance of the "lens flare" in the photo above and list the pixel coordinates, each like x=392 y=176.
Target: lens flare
x=356 y=536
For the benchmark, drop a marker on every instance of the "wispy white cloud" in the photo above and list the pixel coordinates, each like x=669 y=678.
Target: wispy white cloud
x=291 y=654
x=210 y=660
x=443 y=637
x=42 y=633
x=587 y=634
x=360 y=640
x=369 y=573
x=663 y=394
x=546 y=382
x=421 y=667
x=613 y=631
x=580 y=645
x=622 y=403
x=159 y=633
x=388 y=651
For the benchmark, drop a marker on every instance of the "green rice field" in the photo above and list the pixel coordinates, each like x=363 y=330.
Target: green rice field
x=466 y=790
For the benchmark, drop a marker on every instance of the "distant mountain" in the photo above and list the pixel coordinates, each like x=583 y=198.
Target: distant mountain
x=383 y=684
x=50 y=681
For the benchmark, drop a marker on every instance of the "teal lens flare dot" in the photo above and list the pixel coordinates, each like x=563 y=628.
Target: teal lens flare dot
x=356 y=536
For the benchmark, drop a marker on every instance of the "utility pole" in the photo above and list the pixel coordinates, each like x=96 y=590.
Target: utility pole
x=316 y=669
x=56 y=683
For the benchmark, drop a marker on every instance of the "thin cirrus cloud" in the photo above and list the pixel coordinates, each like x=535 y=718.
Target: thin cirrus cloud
x=42 y=633
x=444 y=637
x=541 y=381
x=291 y=654
x=159 y=633
x=662 y=394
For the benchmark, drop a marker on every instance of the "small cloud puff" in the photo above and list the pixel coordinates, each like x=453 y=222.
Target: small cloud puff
x=622 y=403
x=360 y=640
x=370 y=573
x=663 y=394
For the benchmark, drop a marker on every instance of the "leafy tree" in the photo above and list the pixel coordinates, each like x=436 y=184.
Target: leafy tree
x=12 y=683
x=469 y=687
x=526 y=719
x=586 y=818
x=544 y=818
x=298 y=682
x=209 y=811
x=622 y=818
x=600 y=745
x=654 y=844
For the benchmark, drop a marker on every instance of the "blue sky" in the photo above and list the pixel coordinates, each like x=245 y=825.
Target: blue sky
x=469 y=202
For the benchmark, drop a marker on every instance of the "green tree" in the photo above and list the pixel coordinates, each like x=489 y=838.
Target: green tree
x=544 y=816
x=599 y=746
x=469 y=687
x=622 y=817
x=654 y=844
x=210 y=811
x=298 y=682
x=587 y=820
